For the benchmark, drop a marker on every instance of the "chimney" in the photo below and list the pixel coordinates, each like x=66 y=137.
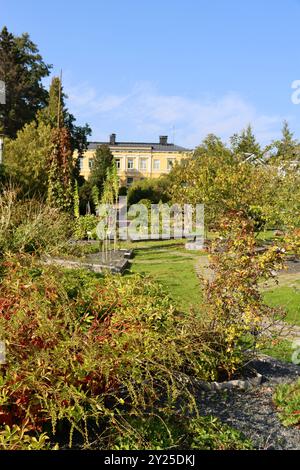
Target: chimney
x=112 y=139
x=163 y=139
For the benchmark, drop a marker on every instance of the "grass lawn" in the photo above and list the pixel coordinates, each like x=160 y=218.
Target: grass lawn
x=171 y=265
x=287 y=297
x=281 y=350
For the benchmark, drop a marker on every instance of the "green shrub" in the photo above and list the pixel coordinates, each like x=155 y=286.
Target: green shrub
x=20 y=438
x=153 y=189
x=156 y=433
x=279 y=349
x=31 y=226
x=287 y=399
x=85 y=227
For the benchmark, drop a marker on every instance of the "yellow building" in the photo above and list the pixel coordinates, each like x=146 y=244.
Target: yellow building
x=136 y=160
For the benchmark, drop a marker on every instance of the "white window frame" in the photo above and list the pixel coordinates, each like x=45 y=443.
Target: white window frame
x=131 y=160
x=156 y=164
x=145 y=163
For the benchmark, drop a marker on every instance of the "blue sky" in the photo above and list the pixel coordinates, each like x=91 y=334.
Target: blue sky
x=178 y=67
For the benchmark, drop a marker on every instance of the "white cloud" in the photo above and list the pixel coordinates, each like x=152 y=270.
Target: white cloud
x=144 y=113
x=85 y=99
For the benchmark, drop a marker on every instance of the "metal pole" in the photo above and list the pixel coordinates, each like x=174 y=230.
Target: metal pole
x=59 y=101
x=3 y=102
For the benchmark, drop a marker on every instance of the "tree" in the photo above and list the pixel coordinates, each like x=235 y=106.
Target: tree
x=60 y=175
x=56 y=114
x=212 y=145
x=86 y=197
x=46 y=144
x=26 y=158
x=223 y=181
x=22 y=69
x=286 y=204
x=103 y=160
x=42 y=152
x=67 y=137
x=245 y=144
x=287 y=149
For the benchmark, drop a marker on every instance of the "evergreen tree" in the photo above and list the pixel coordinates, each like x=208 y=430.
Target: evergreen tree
x=49 y=115
x=54 y=113
x=92 y=190
x=103 y=160
x=287 y=149
x=22 y=69
x=245 y=144
x=66 y=137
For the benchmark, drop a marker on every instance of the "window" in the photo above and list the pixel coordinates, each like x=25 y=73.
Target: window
x=91 y=163
x=129 y=181
x=130 y=163
x=170 y=163
x=118 y=163
x=81 y=164
x=156 y=164
x=143 y=164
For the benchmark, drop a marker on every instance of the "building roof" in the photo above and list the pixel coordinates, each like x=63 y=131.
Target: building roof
x=155 y=147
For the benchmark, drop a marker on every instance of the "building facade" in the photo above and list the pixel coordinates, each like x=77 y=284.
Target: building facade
x=136 y=160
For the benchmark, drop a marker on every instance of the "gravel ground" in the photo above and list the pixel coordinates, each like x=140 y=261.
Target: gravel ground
x=293 y=267
x=253 y=412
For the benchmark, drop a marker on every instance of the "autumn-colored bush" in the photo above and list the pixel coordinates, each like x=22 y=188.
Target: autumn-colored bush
x=233 y=301
x=87 y=354
x=82 y=349
x=292 y=241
